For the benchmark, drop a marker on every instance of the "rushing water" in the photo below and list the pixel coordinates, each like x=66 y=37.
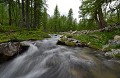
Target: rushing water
x=45 y=59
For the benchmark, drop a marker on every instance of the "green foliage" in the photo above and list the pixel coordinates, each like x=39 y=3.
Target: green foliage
x=86 y=24
x=35 y=16
x=94 y=9
x=7 y=34
x=3 y=14
x=45 y=19
x=117 y=56
x=68 y=43
x=70 y=19
x=56 y=20
x=98 y=39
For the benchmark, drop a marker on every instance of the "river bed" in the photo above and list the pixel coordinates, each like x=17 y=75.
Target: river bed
x=45 y=59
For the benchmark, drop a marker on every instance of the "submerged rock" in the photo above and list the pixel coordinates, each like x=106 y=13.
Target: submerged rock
x=10 y=50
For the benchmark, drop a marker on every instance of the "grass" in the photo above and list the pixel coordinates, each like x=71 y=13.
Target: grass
x=98 y=39
x=8 y=33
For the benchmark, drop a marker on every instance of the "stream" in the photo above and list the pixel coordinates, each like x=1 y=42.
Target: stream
x=45 y=59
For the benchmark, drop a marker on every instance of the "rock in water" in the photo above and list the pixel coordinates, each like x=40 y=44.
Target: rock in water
x=10 y=50
x=59 y=42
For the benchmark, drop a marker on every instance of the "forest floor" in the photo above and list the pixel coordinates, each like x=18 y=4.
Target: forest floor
x=11 y=33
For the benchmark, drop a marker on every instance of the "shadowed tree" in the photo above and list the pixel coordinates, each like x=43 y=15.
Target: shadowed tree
x=56 y=19
x=27 y=14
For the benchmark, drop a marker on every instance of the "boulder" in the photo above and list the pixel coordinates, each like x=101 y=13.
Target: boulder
x=116 y=37
x=113 y=53
x=114 y=42
x=11 y=49
x=59 y=42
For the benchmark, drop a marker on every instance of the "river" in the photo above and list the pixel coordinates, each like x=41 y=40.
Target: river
x=45 y=59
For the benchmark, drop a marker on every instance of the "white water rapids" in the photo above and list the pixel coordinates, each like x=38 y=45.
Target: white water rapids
x=45 y=59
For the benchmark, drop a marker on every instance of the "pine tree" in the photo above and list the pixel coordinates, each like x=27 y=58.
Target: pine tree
x=45 y=19
x=56 y=19
x=70 y=19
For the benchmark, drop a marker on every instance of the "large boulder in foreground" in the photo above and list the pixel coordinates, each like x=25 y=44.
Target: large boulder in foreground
x=10 y=50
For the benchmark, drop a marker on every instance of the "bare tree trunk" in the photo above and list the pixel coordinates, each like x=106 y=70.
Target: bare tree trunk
x=98 y=16
x=10 y=13
x=118 y=15
x=101 y=18
x=23 y=16
x=27 y=15
x=23 y=12
x=18 y=2
x=31 y=11
x=35 y=14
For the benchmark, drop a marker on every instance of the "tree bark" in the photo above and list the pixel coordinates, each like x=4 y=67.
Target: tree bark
x=27 y=15
x=35 y=14
x=101 y=18
x=98 y=16
x=10 y=13
x=23 y=16
x=31 y=21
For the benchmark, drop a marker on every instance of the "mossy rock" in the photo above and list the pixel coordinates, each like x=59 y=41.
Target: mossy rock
x=72 y=44
x=116 y=56
x=59 y=42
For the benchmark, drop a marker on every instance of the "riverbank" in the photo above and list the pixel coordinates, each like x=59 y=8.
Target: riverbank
x=11 y=33
x=102 y=39
x=11 y=41
x=45 y=57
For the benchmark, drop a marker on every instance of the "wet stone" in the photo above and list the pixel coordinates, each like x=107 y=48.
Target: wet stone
x=11 y=49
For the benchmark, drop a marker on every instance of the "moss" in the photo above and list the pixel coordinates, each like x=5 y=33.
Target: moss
x=116 y=55
x=72 y=44
x=117 y=46
x=98 y=39
x=6 y=34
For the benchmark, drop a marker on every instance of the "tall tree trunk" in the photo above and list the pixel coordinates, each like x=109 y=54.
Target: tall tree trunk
x=18 y=3
x=2 y=18
x=19 y=15
x=10 y=13
x=23 y=12
x=31 y=12
x=27 y=15
x=96 y=19
x=101 y=18
x=35 y=14
x=98 y=16
x=14 y=13
x=118 y=15
x=23 y=16
x=45 y=19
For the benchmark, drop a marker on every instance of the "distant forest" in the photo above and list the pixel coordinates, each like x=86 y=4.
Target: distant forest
x=32 y=14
